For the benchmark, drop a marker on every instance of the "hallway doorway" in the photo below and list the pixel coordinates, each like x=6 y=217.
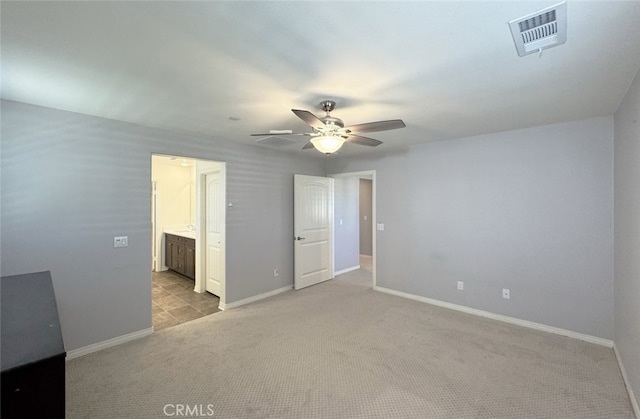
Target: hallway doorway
x=355 y=219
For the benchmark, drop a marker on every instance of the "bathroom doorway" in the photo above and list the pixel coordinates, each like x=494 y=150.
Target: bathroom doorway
x=182 y=216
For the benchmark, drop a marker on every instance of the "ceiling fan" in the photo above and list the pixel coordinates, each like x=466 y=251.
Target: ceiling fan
x=329 y=133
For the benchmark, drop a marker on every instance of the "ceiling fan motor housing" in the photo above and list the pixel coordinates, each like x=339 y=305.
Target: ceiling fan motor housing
x=330 y=121
x=331 y=124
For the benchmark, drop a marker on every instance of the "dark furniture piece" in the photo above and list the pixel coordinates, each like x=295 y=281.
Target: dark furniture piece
x=32 y=352
x=180 y=255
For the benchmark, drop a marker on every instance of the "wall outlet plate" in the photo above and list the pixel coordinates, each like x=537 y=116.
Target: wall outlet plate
x=506 y=293
x=460 y=286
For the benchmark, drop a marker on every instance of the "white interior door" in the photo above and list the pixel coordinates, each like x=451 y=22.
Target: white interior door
x=214 y=258
x=313 y=230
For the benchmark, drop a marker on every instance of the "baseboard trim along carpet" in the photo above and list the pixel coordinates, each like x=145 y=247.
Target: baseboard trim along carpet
x=487 y=314
x=255 y=298
x=344 y=271
x=75 y=353
x=632 y=397
x=85 y=350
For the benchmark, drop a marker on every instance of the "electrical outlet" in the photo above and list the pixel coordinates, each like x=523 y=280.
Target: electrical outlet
x=276 y=272
x=460 y=286
x=122 y=241
x=506 y=293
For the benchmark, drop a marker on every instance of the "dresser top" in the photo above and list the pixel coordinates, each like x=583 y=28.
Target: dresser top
x=30 y=328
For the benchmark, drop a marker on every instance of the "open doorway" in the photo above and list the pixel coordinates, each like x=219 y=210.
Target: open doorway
x=355 y=218
x=365 y=209
x=188 y=238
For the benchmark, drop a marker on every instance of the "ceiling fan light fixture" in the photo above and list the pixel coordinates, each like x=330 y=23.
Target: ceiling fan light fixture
x=327 y=144
x=329 y=133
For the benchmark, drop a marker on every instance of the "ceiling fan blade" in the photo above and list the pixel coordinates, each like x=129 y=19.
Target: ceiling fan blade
x=307 y=146
x=271 y=134
x=357 y=139
x=376 y=126
x=309 y=118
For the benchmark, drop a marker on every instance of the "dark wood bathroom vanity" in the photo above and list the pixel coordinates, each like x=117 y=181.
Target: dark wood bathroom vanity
x=180 y=255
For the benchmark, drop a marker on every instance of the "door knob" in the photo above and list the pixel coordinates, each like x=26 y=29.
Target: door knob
x=298 y=238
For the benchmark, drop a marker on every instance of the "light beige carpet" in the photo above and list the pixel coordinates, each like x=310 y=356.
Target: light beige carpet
x=342 y=350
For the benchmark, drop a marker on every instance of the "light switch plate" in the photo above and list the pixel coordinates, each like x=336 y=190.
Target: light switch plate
x=380 y=227
x=121 y=241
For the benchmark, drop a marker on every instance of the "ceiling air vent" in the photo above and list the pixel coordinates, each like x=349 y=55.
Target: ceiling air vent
x=541 y=30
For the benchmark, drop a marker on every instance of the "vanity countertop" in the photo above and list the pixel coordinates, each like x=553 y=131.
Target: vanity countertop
x=190 y=234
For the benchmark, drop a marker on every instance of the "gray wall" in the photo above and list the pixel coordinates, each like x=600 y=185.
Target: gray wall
x=346 y=235
x=530 y=210
x=366 y=211
x=627 y=234
x=71 y=182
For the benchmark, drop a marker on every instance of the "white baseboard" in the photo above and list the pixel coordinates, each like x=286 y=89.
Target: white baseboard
x=487 y=314
x=632 y=397
x=344 y=271
x=255 y=298
x=75 y=353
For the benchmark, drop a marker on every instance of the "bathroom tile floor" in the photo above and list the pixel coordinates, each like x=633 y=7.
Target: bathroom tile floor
x=175 y=302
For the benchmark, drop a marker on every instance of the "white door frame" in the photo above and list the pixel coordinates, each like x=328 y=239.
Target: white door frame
x=201 y=217
x=374 y=219
x=156 y=243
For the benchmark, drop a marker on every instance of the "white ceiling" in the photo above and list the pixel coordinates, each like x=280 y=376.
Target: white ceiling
x=449 y=69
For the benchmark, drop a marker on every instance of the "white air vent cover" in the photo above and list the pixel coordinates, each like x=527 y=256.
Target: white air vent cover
x=276 y=141
x=537 y=31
